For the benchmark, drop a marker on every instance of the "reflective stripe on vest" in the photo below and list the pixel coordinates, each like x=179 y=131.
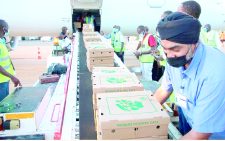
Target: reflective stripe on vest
x=5 y=62
x=146 y=58
x=117 y=44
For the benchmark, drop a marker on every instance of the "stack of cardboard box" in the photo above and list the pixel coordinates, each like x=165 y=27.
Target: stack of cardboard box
x=99 y=54
x=119 y=81
x=88 y=28
x=130 y=115
x=88 y=40
x=90 y=34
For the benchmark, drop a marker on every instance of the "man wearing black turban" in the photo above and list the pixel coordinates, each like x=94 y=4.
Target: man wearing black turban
x=195 y=74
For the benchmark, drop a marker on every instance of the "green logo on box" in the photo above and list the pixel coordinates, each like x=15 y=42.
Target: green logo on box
x=114 y=80
x=128 y=105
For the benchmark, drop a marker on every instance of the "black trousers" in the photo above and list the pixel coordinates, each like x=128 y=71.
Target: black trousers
x=157 y=71
x=121 y=56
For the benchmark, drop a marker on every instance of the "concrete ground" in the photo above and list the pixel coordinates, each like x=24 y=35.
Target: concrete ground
x=30 y=61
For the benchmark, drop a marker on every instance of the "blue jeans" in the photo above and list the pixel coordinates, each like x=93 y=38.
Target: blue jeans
x=4 y=90
x=184 y=127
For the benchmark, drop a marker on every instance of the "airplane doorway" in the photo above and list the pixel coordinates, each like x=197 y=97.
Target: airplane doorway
x=79 y=15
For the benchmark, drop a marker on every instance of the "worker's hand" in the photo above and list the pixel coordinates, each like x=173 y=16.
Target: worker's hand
x=137 y=53
x=16 y=81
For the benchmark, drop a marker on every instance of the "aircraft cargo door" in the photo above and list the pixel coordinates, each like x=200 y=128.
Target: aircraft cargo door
x=79 y=18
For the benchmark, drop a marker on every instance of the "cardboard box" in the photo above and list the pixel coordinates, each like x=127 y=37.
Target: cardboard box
x=90 y=65
x=88 y=26
x=99 y=50
x=92 y=39
x=91 y=34
x=77 y=24
x=104 y=60
x=99 y=137
x=108 y=71
x=88 y=30
x=115 y=83
x=95 y=44
x=131 y=115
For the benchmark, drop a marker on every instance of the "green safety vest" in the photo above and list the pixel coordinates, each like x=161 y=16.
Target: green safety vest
x=112 y=35
x=146 y=58
x=117 y=44
x=209 y=38
x=89 y=20
x=5 y=62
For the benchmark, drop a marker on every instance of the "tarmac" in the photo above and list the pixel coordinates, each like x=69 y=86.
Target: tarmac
x=30 y=61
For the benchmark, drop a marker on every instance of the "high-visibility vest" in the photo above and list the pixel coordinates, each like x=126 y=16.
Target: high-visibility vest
x=112 y=35
x=89 y=20
x=209 y=38
x=5 y=62
x=146 y=58
x=117 y=44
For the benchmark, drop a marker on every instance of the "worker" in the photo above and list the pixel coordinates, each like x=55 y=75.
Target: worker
x=118 y=43
x=191 y=74
x=222 y=36
x=111 y=35
x=6 y=67
x=191 y=8
x=144 y=52
x=141 y=33
x=222 y=39
x=210 y=37
x=90 y=19
x=166 y=13
x=64 y=33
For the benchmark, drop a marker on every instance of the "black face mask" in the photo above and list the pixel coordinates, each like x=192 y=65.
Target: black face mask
x=177 y=61
x=180 y=61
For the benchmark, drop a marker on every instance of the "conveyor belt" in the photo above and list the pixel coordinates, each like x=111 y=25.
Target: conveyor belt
x=87 y=130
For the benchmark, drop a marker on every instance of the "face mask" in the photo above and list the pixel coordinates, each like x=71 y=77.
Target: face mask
x=180 y=61
x=205 y=29
x=6 y=32
x=113 y=30
x=141 y=35
x=116 y=30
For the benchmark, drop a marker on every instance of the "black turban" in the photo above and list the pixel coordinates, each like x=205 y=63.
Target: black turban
x=180 y=28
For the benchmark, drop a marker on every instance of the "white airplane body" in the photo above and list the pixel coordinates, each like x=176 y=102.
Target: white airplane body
x=46 y=17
